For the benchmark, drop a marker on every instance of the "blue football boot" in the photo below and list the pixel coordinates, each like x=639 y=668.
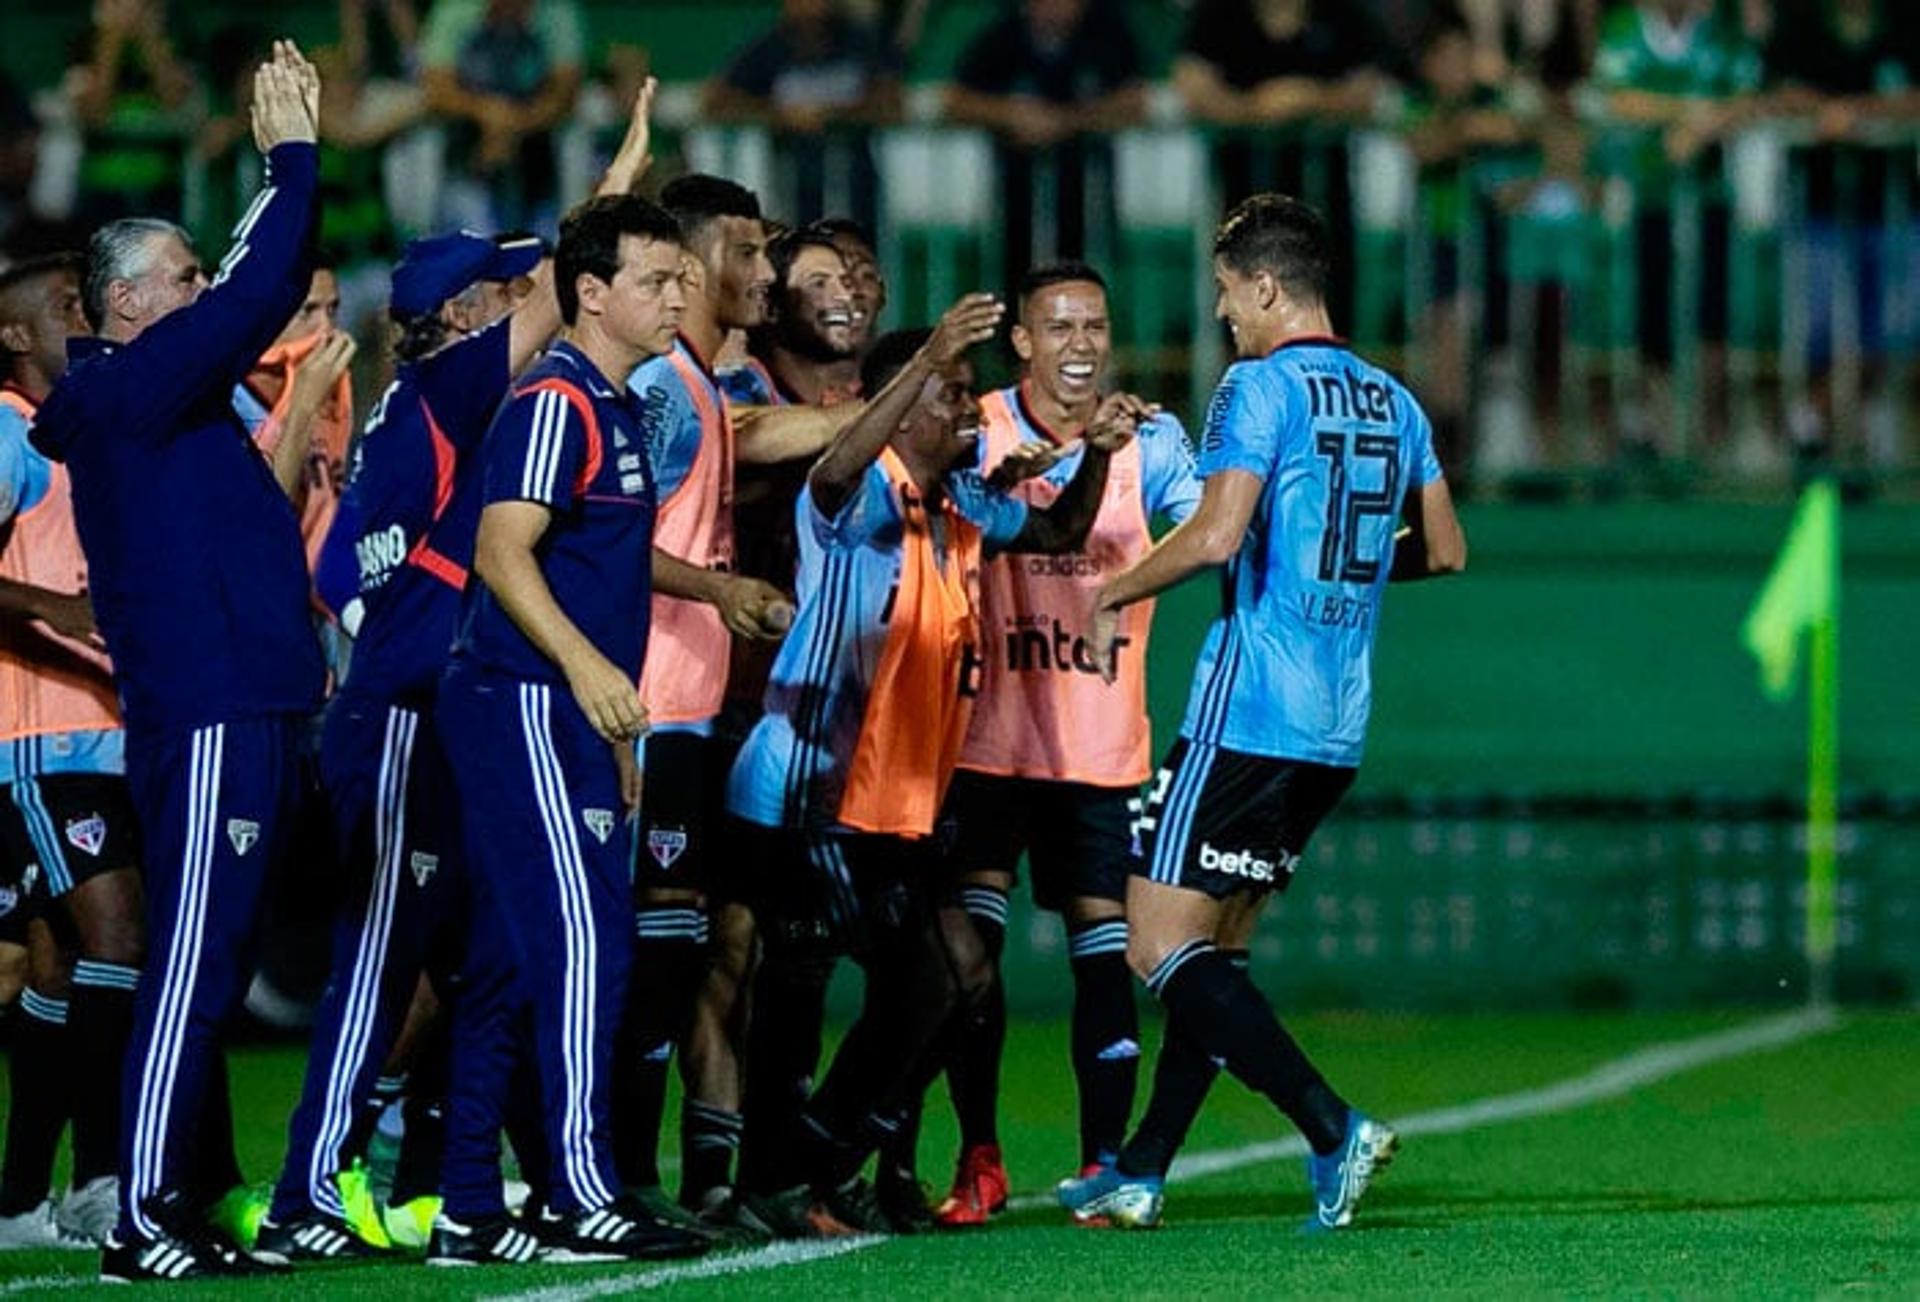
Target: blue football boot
x=1103 y=1195
x=1341 y=1177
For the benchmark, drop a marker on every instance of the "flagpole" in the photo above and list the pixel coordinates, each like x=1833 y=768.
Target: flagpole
x=1823 y=801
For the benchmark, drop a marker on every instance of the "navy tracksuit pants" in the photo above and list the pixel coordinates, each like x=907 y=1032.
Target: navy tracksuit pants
x=399 y=914
x=216 y=804
x=550 y=854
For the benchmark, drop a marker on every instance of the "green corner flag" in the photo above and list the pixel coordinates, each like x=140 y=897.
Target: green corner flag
x=1802 y=591
x=1802 y=596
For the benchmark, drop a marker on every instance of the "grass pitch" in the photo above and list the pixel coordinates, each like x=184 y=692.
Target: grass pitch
x=1790 y=1171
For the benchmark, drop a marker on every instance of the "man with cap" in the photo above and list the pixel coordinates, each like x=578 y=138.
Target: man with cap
x=394 y=567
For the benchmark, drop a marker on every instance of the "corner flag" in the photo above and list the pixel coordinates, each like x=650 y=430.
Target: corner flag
x=1802 y=595
x=1802 y=591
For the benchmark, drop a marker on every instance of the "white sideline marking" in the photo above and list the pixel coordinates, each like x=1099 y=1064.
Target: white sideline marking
x=1609 y=1080
x=771 y=1257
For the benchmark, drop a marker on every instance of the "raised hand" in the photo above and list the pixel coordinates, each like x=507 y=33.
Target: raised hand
x=286 y=100
x=970 y=321
x=632 y=159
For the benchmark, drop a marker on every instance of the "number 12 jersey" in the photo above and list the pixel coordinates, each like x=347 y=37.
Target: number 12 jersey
x=1337 y=444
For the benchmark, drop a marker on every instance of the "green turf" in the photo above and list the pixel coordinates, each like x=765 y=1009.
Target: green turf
x=1793 y=1172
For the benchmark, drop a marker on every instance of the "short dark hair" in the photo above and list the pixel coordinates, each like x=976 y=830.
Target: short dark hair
x=836 y=227
x=1050 y=274
x=590 y=242
x=1282 y=237
x=784 y=249
x=697 y=200
x=889 y=356
x=28 y=270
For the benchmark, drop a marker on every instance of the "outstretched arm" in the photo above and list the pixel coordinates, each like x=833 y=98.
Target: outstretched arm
x=1063 y=526
x=1209 y=538
x=836 y=474
x=209 y=345
x=536 y=321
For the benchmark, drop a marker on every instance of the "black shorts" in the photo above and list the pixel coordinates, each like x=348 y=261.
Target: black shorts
x=683 y=826
x=833 y=893
x=16 y=904
x=1223 y=822
x=1076 y=837
x=70 y=826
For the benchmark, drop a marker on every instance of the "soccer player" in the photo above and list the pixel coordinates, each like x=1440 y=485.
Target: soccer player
x=198 y=578
x=798 y=357
x=407 y=525
x=812 y=332
x=539 y=710
x=698 y=605
x=842 y=780
x=1054 y=753
x=1310 y=455
x=67 y=821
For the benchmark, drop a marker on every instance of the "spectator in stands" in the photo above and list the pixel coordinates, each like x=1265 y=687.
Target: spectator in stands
x=133 y=96
x=1042 y=78
x=817 y=68
x=1849 y=66
x=504 y=74
x=1308 y=67
x=1451 y=118
x=1684 y=77
x=1529 y=47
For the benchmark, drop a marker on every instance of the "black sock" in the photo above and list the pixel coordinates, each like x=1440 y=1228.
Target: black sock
x=900 y=1140
x=910 y=993
x=100 y=1022
x=416 y=1172
x=978 y=1035
x=386 y=1091
x=709 y=1138
x=1217 y=1005
x=423 y=1115
x=783 y=1050
x=39 y=1093
x=1106 y=1036
x=1181 y=1078
x=669 y=963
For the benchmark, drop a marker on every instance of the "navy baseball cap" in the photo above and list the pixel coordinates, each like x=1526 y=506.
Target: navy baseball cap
x=436 y=268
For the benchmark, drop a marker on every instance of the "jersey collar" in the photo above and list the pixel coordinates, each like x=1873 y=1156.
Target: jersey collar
x=1310 y=341
x=1025 y=406
x=596 y=382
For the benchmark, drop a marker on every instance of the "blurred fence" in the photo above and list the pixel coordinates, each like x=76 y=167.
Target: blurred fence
x=1576 y=312
x=1789 y=276
x=1497 y=904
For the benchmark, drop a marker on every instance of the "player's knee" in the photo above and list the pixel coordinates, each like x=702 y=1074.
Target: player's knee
x=1145 y=950
x=13 y=973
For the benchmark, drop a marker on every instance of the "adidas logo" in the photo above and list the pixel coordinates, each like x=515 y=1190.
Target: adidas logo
x=1120 y=1050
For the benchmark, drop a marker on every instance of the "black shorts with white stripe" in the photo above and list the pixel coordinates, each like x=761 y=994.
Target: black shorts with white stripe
x=1223 y=822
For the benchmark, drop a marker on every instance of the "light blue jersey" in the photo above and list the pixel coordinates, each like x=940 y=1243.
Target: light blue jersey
x=792 y=770
x=25 y=477
x=1286 y=670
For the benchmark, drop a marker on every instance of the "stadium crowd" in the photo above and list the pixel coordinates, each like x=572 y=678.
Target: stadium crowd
x=1522 y=125
x=669 y=634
